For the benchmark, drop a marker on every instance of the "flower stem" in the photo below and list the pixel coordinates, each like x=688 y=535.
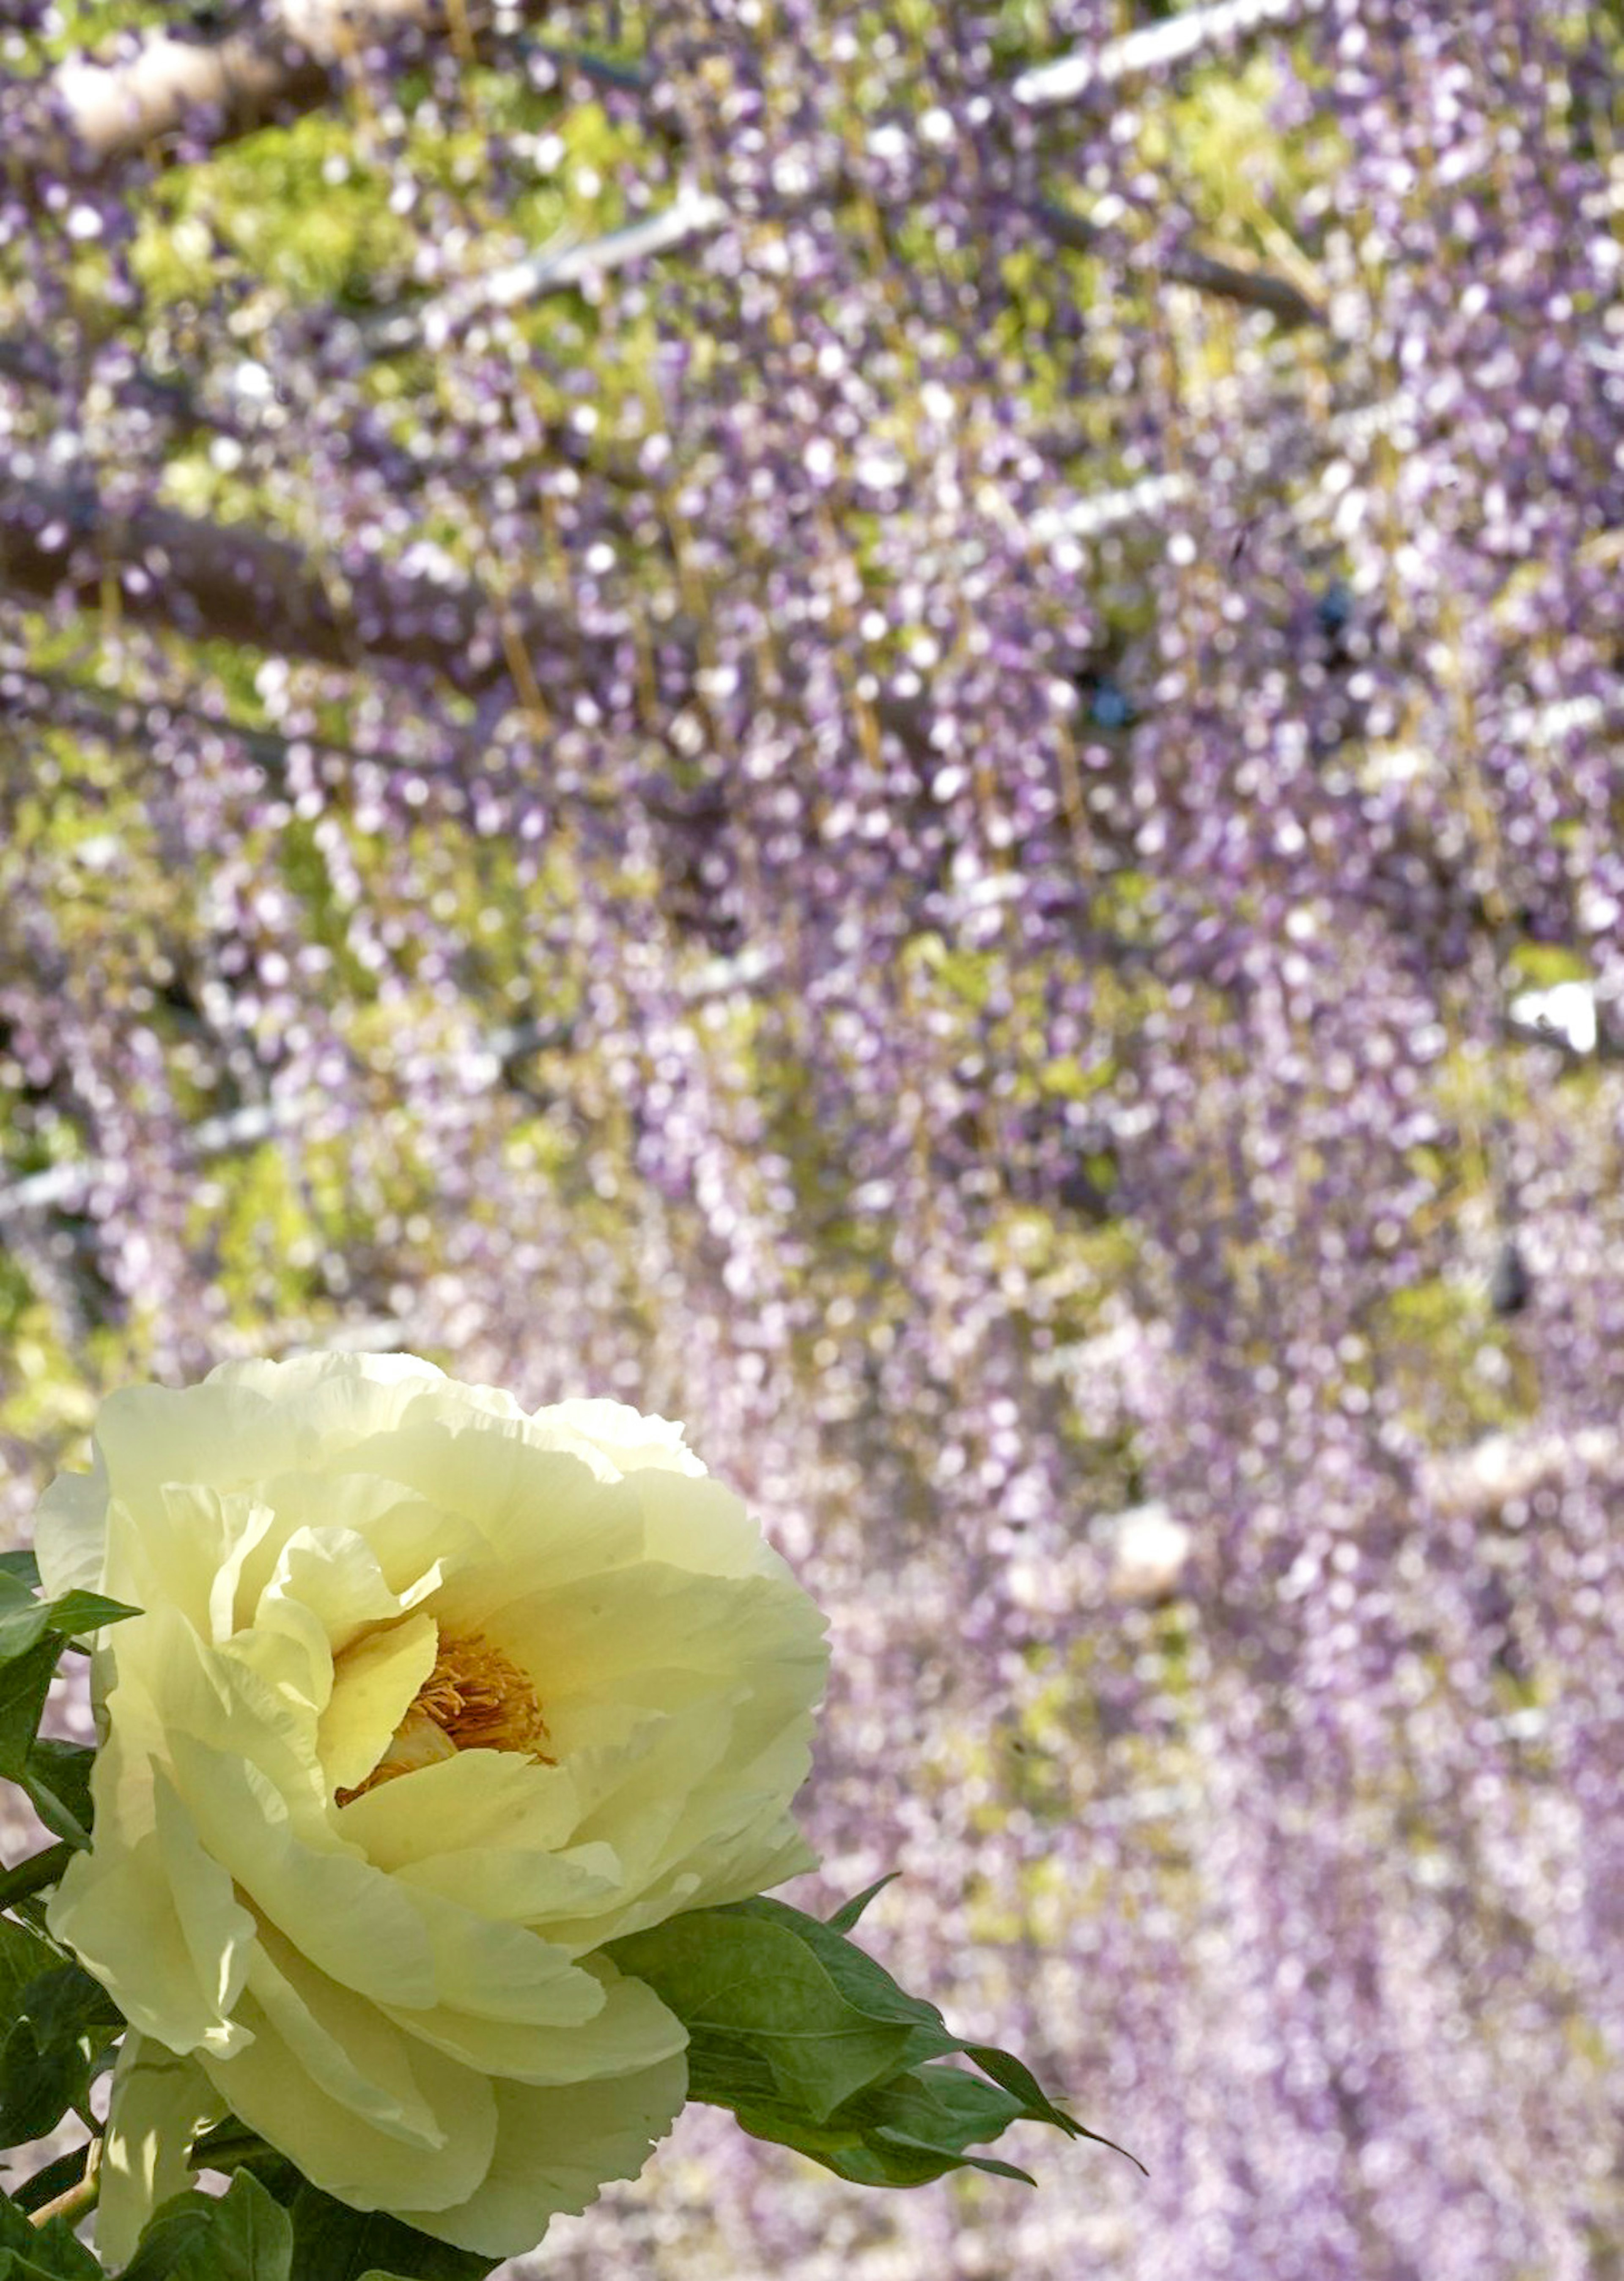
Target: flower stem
x=75 y=2201
x=227 y=2144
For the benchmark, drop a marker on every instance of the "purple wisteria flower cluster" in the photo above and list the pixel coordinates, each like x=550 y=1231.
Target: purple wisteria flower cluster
x=898 y=730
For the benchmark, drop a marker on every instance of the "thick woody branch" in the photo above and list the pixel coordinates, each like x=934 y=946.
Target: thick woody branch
x=86 y=116
x=224 y=583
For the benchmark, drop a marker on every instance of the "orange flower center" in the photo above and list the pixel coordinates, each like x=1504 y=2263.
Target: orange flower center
x=476 y=1698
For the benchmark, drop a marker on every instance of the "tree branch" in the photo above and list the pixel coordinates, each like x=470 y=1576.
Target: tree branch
x=227 y=582
x=115 y=720
x=86 y=116
x=1253 y=288
x=696 y=215
x=224 y=582
x=691 y=217
x=1153 y=46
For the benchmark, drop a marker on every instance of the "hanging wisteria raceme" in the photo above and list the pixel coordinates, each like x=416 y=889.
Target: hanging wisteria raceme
x=879 y=727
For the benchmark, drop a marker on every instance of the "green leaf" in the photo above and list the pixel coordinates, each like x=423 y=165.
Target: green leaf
x=22 y=1617
x=56 y=1777
x=332 y=2242
x=23 y=1566
x=903 y=2132
x=174 y=2234
x=54 y=1774
x=813 y=2045
x=888 y=2159
x=25 y=1619
x=941 y=2107
x=770 y=2006
x=25 y=1681
x=76 y=1613
x=46 y=2253
x=1036 y=2105
x=864 y=1983
x=917 y=2127
x=240 y=2235
x=24 y=1957
x=53 y=2255
x=846 y=1915
x=32 y=1876
x=65 y=2022
x=32 y=2193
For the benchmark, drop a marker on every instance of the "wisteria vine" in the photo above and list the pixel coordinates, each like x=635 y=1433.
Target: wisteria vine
x=873 y=725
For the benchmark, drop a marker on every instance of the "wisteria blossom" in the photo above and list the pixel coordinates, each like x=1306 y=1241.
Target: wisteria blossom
x=898 y=730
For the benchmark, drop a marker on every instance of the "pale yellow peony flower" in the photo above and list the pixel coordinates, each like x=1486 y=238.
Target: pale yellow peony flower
x=430 y=1699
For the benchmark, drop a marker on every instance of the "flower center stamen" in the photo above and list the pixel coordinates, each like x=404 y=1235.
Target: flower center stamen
x=481 y=1700
x=476 y=1698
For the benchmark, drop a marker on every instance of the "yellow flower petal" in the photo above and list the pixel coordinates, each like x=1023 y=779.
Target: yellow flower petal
x=633 y=2031
x=154 y=1918
x=157 y=2106
x=479 y=1797
x=555 y=2147
x=372 y=1686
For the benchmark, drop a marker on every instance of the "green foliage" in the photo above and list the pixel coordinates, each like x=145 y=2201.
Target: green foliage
x=24 y=1879
x=59 y=1782
x=60 y=2026
x=17 y=1295
x=260 y=1227
x=25 y=1681
x=54 y=1775
x=24 y=1957
x=771 y=2020
x=64 y=2026
x=299 y=208
x=1433 y=1338
x=25 y=1619
x=46 y=2253
x=812 y=2045
x=240 y=2236
x=917 y=2127
x=318 y=2239
x=74 y=26
x=849 y=1913
x=332 y=2242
